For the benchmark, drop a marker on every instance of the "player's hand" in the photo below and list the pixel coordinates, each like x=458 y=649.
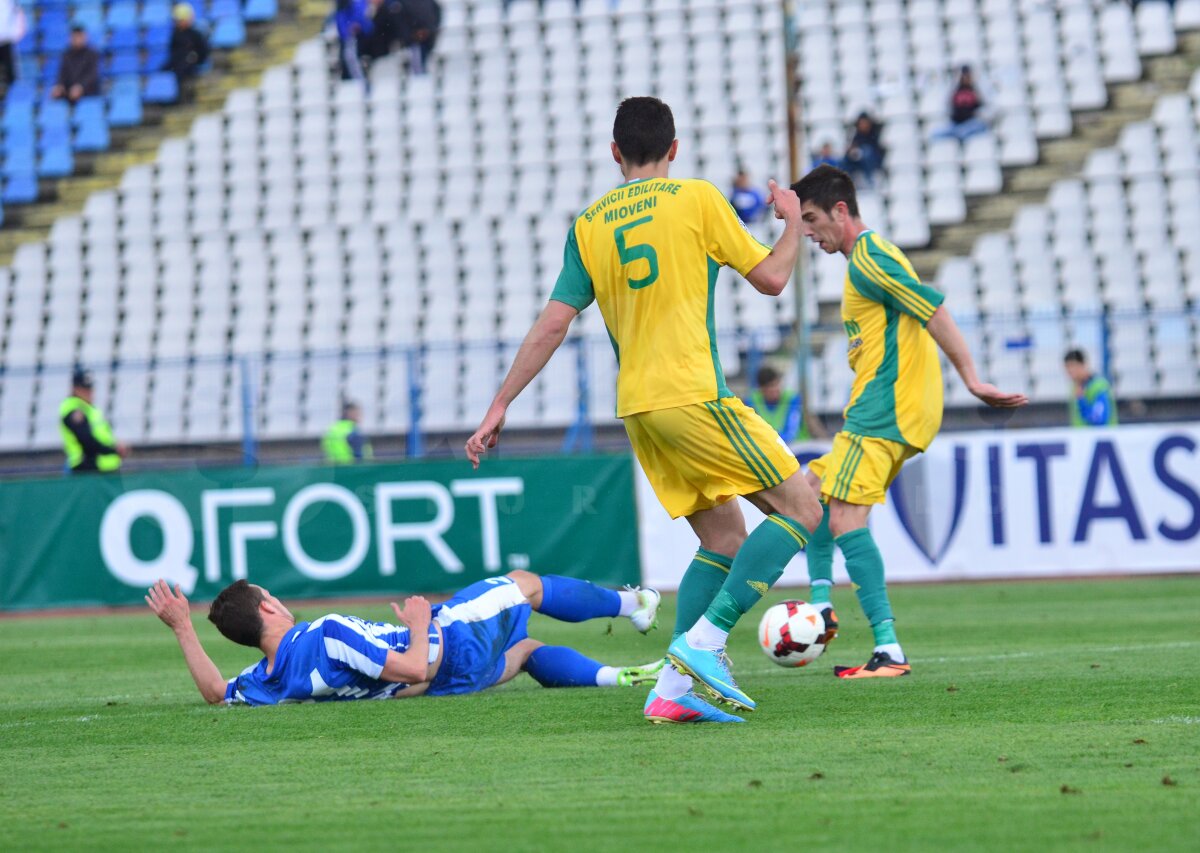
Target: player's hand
x=122 y=449
x=169 y=606
x=416 y=613
x=786 y=202
x=487 y=436
x=996 y=398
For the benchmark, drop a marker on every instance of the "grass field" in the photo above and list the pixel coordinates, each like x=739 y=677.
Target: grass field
x=1039 y=716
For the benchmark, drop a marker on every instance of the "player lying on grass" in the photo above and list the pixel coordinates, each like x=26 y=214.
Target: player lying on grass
x=475 y=640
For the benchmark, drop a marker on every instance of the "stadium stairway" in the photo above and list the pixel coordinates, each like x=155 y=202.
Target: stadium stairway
x=1060 y=158
x=267 y=44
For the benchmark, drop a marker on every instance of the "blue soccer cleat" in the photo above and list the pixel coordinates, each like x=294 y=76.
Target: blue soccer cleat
x=688 y=708
x=711 y=671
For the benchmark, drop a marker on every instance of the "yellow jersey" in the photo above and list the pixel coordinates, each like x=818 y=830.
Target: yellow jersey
x=648 y=253
x=897 y=391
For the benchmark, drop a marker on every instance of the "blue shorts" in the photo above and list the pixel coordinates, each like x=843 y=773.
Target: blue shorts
x=479 y=624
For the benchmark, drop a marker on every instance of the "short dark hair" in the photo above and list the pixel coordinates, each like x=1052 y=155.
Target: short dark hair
x=825 y=186
x=767 y=375
x=235 y=613
x=1075 y=355
x=643 y=130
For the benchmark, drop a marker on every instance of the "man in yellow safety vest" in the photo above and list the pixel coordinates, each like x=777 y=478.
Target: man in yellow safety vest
x=87 y=438
x=344 y=444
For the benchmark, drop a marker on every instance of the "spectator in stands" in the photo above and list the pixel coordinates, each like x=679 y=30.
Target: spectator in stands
x=748 y=201
x=79 y=73
x=966 y=104
x=420 y=21
x=385 y=29
x=782 y=408
x=353 y=23
x=13 y=24
x=87 y=438
x=1093 y=403
x=344 y=444
x=188 y=50
x=864 y=154
x=826 y=157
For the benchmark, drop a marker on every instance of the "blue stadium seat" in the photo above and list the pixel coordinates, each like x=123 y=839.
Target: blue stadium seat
x=53 y=35
x=224 y=9
x=125 y=107
x=124 y=38
x=155 y=60
x=156 y=13
x=19 y=162
x=28 y=67
x=122 y=14
x=54 y=137
x=88 y=110
x=56 y=162
x=260 y=10
x=21 y=188
x=229 y=32
x=92 y=135
x=157 y=37
x=22 y=91
x=92 y=19
x=49 y=72
x=19 y=138
x=52 y=114
x=161 y=88
x=17 y=114
x=123 y=62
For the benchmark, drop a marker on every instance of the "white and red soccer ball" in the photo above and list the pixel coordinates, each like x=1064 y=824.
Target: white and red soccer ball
x=794 y=633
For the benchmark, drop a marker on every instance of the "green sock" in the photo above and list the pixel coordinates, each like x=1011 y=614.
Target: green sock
x=820 y=562
x=864 y=564
x=701 y=582
x=758 y=564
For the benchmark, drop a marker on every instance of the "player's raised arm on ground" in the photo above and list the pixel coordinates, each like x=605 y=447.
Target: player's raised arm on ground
x=945 y=332
x=771 y=275
x=171 y=606
x=543 y=339
x=412 y=666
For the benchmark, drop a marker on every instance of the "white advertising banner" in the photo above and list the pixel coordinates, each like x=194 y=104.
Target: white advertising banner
x=1008 y=504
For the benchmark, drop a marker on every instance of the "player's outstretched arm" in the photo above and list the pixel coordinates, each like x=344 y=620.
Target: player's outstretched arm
x=171 y=606
x=948 y=336
x=771 y=275
x=411 y=666
x=543 y=339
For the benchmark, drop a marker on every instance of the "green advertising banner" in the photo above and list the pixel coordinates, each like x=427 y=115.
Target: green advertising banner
x=315 y=531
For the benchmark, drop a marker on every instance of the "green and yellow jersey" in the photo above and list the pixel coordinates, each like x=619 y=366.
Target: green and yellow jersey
x=648 y=253
x=897 y=391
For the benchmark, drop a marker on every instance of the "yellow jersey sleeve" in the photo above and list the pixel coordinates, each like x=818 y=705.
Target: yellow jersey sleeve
x=574 y=285
x=880 y=272
x=726 y=238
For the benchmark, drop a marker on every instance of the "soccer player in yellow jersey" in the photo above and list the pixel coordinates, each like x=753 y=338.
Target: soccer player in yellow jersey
x=895 y=325
x=648 y=253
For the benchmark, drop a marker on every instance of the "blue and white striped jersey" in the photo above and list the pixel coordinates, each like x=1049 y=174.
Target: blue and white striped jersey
x=334 y=658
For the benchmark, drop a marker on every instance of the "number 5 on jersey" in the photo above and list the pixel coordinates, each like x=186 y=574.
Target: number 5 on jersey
x=637 y=252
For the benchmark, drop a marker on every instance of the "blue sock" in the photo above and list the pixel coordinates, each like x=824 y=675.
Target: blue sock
x=573 y=600
x=559 y=666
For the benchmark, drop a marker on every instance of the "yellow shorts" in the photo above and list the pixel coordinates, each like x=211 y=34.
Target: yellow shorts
x=859 y=469
x=704 y=454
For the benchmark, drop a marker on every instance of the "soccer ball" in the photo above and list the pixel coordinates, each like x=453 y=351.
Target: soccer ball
x=793 y=633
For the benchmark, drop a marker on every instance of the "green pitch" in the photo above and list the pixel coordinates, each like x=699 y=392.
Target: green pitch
x=1039 y=716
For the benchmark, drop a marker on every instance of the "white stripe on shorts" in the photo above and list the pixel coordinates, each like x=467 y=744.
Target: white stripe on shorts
x=492 y=603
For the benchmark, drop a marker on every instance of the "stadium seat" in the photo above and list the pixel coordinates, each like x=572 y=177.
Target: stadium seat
x=228 y=32
x=161 y=88
x=257 y=11
x=56 y=161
